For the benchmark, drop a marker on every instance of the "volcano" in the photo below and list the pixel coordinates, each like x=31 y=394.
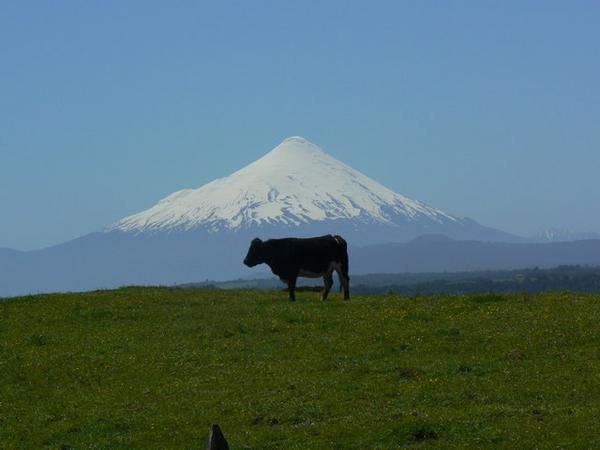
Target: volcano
x=296 y=189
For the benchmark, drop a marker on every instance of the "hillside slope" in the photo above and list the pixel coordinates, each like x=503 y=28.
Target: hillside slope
x=154 y=368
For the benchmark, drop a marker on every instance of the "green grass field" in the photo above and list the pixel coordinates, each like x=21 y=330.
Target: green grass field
x=155 y=367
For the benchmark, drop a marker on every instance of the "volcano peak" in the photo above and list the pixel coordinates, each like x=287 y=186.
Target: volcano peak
x=295 y=183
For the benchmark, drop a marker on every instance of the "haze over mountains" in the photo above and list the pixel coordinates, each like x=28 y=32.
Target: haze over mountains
x=562 y=235
x=296 y=189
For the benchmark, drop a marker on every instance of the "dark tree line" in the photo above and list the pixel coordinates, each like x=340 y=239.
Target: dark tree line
x=564 y=278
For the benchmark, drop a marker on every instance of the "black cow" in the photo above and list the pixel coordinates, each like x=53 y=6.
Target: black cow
x=315 y=257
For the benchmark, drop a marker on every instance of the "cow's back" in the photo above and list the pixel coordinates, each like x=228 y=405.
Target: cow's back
x=314 y=254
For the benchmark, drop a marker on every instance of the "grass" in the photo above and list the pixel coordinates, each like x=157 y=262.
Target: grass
x=155 y=367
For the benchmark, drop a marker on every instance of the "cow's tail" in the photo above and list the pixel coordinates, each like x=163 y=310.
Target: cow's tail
x=344 y=277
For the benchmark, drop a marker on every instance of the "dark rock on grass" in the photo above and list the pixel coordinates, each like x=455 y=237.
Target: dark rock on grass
x=216 y=440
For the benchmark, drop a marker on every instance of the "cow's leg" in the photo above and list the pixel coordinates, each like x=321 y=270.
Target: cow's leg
x=328 y=280
x=292 y=287
x=346 y=285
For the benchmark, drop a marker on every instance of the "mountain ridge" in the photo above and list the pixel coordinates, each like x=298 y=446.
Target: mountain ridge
x=295 y=183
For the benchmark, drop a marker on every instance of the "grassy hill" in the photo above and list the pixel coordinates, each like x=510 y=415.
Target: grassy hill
x=155 y=367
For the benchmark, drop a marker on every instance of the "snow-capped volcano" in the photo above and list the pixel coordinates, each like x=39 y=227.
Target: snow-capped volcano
x=295 y=183
x=294 y=190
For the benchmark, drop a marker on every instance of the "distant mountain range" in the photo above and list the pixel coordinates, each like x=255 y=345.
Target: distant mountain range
x=442 y=254
x=294 y=190
x=562 y=235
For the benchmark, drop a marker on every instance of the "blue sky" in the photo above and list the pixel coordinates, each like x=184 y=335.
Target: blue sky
x=485 y=109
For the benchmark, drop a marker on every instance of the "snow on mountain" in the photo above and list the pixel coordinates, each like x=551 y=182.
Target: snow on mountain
x=294 y=184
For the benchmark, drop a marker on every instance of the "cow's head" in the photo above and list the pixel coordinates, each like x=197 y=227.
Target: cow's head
x=254 y=256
